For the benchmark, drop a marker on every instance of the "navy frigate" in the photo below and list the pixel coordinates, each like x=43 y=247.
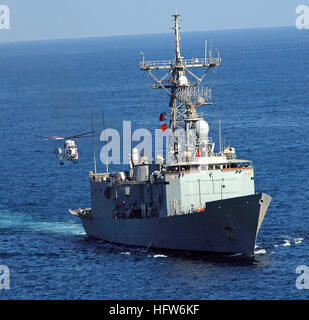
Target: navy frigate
x=194 y=198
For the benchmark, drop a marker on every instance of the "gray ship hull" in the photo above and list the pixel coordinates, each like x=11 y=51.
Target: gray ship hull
x=225 y=226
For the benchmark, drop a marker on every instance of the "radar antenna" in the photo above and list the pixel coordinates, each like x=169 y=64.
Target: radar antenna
x=185 y=95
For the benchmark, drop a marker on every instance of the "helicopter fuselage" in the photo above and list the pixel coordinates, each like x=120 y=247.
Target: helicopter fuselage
x=69 y=152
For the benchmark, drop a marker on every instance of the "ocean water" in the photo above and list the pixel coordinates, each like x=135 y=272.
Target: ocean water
x=260 y=94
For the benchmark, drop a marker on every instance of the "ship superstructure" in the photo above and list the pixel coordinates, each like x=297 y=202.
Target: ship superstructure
x=195 y=199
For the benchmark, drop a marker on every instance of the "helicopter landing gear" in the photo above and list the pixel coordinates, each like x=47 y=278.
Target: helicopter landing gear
x=75 y=162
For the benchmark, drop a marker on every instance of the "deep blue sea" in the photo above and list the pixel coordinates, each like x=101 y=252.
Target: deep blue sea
x=260 y=94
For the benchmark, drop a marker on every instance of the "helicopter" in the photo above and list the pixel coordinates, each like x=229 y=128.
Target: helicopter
x=69 y=151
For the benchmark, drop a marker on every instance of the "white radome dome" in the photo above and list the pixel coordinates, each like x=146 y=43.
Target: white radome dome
x=202 y=129
x=183 y=81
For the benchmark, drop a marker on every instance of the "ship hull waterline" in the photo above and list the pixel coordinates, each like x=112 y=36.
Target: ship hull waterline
x=225 y=226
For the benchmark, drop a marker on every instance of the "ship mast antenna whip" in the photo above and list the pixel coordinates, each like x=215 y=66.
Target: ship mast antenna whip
x=93 y=146
x=106 y=158
x=220 y=137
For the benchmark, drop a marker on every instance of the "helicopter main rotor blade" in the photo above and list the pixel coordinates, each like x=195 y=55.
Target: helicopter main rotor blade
x=80 y=135
x=95 y=135
x=53 y=138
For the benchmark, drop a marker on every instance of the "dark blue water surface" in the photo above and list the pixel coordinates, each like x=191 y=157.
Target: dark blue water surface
x=261 y=95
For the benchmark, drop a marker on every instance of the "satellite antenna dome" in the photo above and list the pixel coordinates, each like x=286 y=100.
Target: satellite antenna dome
x=201 y=128
x=183 y=81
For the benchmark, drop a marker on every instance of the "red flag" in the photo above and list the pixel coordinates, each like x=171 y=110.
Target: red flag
x=162 y=116
x=163 y=127
x=198 y=153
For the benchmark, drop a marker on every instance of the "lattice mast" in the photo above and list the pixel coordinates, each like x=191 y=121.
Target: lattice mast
x=184 y=95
